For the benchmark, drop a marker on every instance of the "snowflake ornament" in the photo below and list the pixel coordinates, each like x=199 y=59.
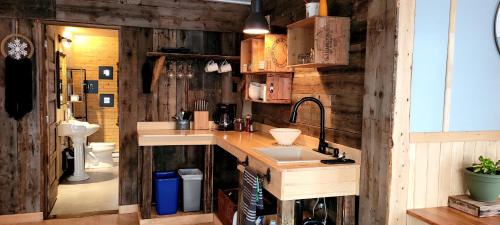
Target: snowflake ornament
x=17 y=49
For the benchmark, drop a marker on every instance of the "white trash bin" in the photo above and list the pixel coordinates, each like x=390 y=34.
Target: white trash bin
x=191 y=189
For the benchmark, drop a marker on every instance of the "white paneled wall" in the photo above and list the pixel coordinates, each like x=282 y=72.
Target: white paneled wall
x=436 y=167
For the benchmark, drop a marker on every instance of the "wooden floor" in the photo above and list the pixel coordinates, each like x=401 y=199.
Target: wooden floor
x=114 y=219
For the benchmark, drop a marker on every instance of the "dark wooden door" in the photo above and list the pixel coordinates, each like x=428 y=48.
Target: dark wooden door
x=49 y=124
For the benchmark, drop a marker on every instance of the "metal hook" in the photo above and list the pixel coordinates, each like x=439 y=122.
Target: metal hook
x=244 y=163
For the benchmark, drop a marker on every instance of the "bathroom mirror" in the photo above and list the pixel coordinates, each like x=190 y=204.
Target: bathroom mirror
x=497 y=27
x=62 y=79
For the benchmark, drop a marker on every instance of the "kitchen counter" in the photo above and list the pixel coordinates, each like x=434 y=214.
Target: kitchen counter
x=289 y=181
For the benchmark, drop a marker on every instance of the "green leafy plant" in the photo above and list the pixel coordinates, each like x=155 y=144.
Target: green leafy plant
x=486 y=166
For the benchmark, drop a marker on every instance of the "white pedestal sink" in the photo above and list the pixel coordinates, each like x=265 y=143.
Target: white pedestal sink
x=78 y=131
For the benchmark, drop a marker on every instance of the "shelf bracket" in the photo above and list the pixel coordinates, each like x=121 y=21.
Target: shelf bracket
x=160 y=62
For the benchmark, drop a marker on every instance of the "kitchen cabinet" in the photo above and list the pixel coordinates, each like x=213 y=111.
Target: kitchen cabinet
x=278 y=87
x=287 y=182
x=265 y=54
x=319 y=42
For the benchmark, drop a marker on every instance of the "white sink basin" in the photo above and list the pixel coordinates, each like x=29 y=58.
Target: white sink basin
x=292 y=154
x=78 y=131
x=75 y=129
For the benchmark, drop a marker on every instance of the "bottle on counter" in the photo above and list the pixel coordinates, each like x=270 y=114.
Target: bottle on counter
x=238 y=124
x=248 y=123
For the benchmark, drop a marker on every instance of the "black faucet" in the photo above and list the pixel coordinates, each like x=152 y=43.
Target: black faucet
x=293 y=118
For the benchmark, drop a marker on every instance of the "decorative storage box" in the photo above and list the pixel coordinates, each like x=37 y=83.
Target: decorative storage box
x=480 y=209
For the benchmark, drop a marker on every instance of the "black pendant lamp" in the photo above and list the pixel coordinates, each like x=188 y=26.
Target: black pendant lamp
x=256 y=22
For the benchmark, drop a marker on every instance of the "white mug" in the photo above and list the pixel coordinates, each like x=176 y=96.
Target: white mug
x=225 y=67
x=211 y=67
x=312 y=9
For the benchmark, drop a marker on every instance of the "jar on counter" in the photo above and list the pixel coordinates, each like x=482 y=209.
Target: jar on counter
x=248 y=123
x=238 y=125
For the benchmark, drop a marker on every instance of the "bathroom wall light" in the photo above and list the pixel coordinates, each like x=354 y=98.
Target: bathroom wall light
x=256 y=22
x=66 y=42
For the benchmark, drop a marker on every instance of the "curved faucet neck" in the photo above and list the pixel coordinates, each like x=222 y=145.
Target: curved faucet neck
x=293 y=117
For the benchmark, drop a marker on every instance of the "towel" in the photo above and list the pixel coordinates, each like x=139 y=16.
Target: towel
x=252 y=196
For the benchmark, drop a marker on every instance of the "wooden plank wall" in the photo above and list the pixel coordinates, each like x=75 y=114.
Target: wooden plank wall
x=39 y=9
x=167 y=99
x=386 y=112
x=20 y=149
x=437 y=164
x=341 y=89
x=164 y=14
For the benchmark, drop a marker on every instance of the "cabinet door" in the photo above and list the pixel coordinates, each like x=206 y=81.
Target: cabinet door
x=279 y=88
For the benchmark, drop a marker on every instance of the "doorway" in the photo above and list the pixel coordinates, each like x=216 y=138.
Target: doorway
x=86 y=94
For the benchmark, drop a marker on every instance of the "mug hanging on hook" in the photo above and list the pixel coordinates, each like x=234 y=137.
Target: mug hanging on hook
x=225 y=67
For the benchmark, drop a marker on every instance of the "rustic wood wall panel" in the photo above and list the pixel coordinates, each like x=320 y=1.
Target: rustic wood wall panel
x=39 y=9
x=386 y=112
x=20 y=179
x=134 y=42
x=164 y=14
x=340 y=89
x=168 y=98
x=436 y=167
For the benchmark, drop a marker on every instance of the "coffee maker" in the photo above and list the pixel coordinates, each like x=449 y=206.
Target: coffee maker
x=224 y=116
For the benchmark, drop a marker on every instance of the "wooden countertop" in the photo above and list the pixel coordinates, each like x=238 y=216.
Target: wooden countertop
x=289 y=181
x=244 y=141
x=449 y=216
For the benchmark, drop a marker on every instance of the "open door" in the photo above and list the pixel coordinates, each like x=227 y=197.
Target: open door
x=48 y=104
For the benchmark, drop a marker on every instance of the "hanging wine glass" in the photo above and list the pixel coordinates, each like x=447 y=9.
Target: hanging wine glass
x=171 y=72
x=190 y=72
x=180 y=71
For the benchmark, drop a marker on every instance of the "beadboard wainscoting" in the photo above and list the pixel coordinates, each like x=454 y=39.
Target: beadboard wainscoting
x=437 y=161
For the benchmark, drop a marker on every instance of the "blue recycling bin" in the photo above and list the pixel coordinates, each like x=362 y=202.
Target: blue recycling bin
x=166 y=192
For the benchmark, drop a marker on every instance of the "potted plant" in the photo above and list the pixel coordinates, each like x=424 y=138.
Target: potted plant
x=483 y=180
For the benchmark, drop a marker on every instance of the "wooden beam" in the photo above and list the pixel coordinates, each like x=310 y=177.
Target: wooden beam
x=240 y=199
x=208 y=179
x=147 y=181
x=386 y=112
x=449 y=66
x=286 y=212
x=128 y=98
x=159 y=14
x=454 y=136
x=346 y=210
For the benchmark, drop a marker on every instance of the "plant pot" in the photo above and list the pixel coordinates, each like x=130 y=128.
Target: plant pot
x=482 y=187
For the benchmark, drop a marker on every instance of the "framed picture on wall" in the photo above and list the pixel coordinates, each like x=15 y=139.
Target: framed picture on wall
x=106 y=72
x=106 y=100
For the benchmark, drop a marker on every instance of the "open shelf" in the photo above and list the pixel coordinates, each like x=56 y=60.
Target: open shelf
x=281 y=84
x=181 y=56
x=319 y=42
x=264 y=54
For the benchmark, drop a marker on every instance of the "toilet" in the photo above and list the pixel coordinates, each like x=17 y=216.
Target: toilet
x=99 y=155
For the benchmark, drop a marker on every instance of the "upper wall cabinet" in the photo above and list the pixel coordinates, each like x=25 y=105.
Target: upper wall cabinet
x=319 y=42
x=264 y=54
